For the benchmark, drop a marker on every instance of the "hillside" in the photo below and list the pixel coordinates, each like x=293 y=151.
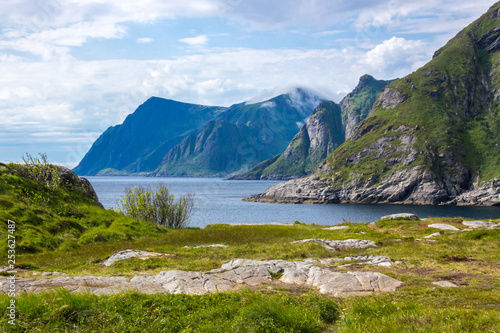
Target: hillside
x=327 y=127
x=432 y=137
x=61 y=213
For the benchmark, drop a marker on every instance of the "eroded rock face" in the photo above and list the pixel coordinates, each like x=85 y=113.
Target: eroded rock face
x=230 y=276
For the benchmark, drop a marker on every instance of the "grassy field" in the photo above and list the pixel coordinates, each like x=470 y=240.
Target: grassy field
x=470 y=259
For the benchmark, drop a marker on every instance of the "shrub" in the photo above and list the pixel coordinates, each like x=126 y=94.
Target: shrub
x=39 y=170
x=157 y=206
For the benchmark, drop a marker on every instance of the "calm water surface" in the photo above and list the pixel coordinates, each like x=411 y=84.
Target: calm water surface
x=220 y=201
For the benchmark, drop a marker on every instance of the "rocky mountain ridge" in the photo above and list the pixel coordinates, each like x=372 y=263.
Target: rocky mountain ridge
x=241 y=137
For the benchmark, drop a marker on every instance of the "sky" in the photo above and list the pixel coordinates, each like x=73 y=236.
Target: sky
x=72 y=68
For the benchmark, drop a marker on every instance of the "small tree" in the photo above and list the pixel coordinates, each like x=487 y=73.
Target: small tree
x=157 y=206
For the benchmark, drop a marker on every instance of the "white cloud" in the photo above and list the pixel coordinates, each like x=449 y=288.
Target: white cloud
x=144 y=40
x=393 y=51
x=195 y=41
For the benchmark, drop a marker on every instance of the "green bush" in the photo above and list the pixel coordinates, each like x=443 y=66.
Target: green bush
x=39 y=170
x=157 y=206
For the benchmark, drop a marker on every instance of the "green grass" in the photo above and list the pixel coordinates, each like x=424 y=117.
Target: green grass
x=469 y=259
x=61 y=311
x=64 y=218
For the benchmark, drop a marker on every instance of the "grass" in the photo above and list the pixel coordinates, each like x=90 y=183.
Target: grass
x=61 y=218
x=470 y=259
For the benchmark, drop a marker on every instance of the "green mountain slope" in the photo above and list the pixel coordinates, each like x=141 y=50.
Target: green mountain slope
x=432 y=138
x=243 y=136
x=324 y=130
x=141 y=142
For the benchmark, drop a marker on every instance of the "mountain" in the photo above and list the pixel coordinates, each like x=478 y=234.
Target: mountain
x=326 y=128
x=241 y=137
x=432 y=138
x=166 y=137
x=139 y=144
x=320 y=135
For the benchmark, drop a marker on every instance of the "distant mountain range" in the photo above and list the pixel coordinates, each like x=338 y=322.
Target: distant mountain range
x=168 y=138
x=432 y=137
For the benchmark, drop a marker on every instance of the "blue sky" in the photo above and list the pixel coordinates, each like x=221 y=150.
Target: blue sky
x=72 y=68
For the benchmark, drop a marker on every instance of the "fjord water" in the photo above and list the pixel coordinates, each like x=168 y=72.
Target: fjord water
x=220 y=201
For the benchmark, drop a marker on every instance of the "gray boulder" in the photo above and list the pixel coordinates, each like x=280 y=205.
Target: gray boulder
x=401 y=216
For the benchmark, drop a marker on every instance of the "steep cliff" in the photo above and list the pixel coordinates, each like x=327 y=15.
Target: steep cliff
x=432 y=137
x=320 y=135
x=325 y=130
x=358 y=103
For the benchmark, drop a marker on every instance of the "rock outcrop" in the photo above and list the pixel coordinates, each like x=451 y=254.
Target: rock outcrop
x=233 y=275
x=432 y=138
x=69 y=179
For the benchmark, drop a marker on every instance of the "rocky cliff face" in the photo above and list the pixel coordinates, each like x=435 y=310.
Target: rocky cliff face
x=357 y=104
x=319 y=136
x=432 y=137
x=326 y=128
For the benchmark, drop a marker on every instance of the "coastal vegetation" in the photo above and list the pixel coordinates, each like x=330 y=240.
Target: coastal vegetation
x=54 y=209
x=157 y=206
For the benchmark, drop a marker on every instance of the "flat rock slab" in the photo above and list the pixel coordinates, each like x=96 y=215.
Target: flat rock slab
x=479 y=224
x=436 y=234
x=230 y=276
x=202 y=246
x=361 y=259
x=401 y=216
x=334 y=245
x=445 y=284
x=257 y=224
x=126 y=254
x=340 y=227
x=443 y=226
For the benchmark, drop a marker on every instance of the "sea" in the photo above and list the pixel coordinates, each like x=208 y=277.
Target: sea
x=220 y=201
